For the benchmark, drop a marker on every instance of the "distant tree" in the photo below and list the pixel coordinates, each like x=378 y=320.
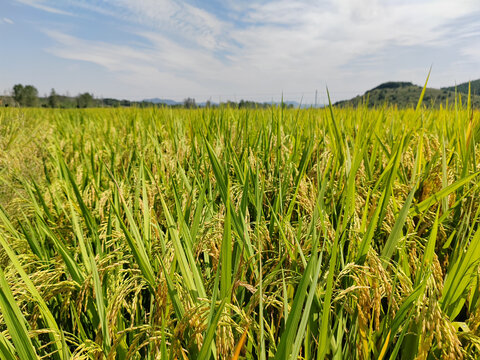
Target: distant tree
x=111 y=102
x=25 y=95
x=189 y=103
x=30 y=95
x=53 y=99
x=84 y=100
x=18 y=93
x=232 y=104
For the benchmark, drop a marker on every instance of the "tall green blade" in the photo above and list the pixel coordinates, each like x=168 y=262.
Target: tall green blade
x=15 y=321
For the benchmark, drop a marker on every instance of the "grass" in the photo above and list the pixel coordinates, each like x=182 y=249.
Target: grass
x=224 y=233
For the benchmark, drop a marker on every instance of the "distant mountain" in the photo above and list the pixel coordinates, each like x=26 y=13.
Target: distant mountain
x=162 y=101
x=463 y=87
x=406 y=94
x=204 y=103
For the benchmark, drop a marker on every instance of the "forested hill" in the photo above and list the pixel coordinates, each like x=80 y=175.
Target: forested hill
x=463 y=88
x=406 y=94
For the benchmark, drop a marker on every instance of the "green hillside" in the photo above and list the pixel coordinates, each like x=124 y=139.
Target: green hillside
x=406 y=94
x=463 y=88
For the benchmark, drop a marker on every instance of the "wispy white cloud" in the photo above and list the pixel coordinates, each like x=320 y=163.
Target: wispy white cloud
x=182 y=22
x=113 y=57
x=7 y=21
x=42 y=5
x=269 y=45
x=147 y=67
x=341 y=29
x=473 y=53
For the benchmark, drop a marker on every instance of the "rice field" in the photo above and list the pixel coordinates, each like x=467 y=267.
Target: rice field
x=237 y=234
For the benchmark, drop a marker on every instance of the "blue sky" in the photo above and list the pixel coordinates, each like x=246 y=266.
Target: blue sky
x=221 y=50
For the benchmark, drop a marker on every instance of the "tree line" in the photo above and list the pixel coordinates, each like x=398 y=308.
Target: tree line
x=27 y=96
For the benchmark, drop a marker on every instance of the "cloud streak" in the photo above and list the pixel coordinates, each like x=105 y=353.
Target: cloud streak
x=270 y=45
x=42 y=5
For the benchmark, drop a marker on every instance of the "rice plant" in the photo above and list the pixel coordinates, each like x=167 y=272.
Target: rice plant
x=236 y=234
